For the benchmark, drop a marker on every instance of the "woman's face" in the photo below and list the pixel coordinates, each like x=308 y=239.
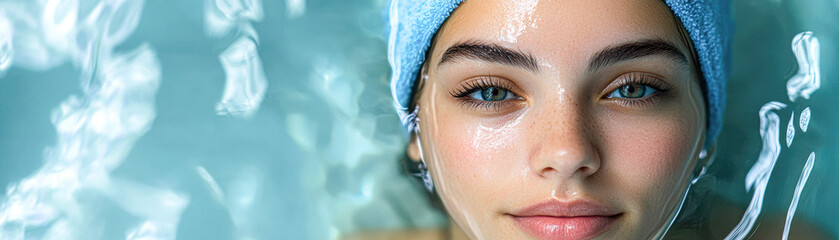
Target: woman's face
x=560 y=119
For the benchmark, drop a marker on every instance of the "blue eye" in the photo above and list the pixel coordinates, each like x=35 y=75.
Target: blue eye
x=632 y=91
x=492 y=94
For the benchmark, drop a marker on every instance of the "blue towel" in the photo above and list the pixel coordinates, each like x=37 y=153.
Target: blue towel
x=410 y=27
x=709 y=25
x=412 y=23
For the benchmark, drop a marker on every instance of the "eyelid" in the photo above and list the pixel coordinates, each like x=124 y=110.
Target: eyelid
x=474 y=83
x=643 y=78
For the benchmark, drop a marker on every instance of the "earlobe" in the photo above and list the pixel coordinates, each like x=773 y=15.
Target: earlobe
x=706 y=157
x=413 y=148
x=704 y=161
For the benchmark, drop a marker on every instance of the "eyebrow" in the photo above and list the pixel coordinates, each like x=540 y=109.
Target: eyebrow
x=497 y=54
x=633 y=50
x=489 y=53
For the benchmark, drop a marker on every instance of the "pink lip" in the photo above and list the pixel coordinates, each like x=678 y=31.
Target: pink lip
x=565 y=220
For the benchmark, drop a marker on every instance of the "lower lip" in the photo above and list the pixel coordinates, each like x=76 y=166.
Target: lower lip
x=546 y=227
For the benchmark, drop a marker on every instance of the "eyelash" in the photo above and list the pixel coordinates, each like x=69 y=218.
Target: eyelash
x=478 y=84
x=662 y=89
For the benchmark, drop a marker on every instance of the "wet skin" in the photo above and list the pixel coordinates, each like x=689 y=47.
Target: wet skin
x=592 y=106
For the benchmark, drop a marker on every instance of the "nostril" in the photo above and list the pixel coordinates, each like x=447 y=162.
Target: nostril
x=586 y=170
x=547 y=171
x=582 y=170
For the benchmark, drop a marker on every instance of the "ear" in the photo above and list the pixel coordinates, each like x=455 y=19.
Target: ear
x=413 y=148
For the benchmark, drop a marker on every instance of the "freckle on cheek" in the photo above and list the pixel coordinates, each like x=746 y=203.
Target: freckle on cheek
x=657 y=153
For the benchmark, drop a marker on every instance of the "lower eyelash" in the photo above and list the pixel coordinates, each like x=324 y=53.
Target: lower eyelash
x=642 y=102
x=662 y=90
x=485 y=105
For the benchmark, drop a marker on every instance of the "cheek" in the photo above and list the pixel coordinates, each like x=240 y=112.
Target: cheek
x=475 y=161
x=475 y=154
x=654 y=147
x=651 y=154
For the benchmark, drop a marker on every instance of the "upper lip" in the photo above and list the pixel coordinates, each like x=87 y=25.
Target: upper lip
x=556 y=208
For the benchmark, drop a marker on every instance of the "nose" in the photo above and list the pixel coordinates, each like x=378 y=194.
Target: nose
x=566 y=148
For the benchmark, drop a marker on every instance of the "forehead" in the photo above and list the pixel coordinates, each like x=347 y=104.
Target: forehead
x=558 y=31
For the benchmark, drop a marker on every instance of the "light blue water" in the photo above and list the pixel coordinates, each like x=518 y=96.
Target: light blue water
x=254 y=119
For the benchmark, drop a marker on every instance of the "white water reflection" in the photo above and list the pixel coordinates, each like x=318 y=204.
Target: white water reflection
x=791 y=129
x=6 y=37
x=245 y=82
x=804 y=119
x=799 y=187
x=223 y=16
x=806 y=49
x=805 y=46
x=28 y=40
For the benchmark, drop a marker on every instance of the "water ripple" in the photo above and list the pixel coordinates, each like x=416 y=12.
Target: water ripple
x=95 y=130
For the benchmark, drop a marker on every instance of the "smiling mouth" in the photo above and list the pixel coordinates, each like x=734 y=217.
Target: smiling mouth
x=558 y=220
